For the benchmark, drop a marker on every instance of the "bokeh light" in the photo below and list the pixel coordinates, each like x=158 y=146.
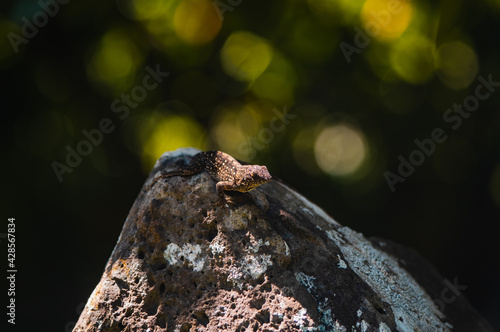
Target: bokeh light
x=160 y=132
x=196 y=21
x=245 y=56
x=340 y=150
x=148 y=9
x=386 y=19
x=235 y=126
x=157 y=16
x=277 y=82
x=114 y=62
x=413 y=58
x=457 y=64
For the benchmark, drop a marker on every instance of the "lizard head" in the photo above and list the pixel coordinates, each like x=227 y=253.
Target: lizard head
x=255 y=175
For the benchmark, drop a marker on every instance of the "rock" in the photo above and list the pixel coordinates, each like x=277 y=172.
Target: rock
x=269 y=261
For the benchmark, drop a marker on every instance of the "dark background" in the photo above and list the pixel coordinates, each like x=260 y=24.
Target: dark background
x=351 y=121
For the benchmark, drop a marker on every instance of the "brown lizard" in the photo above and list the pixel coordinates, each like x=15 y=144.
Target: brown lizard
x=227 y=171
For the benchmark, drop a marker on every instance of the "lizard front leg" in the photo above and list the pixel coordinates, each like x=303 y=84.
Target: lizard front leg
x=221 y=187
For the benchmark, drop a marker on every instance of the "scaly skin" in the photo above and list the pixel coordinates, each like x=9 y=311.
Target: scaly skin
x=229 y=174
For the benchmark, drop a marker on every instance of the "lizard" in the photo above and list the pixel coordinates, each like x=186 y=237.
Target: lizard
x=228 y=172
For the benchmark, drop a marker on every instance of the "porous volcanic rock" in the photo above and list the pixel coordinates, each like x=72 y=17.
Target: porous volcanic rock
x=268 y=261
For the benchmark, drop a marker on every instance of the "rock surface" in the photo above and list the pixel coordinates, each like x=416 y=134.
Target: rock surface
x=270 y=261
